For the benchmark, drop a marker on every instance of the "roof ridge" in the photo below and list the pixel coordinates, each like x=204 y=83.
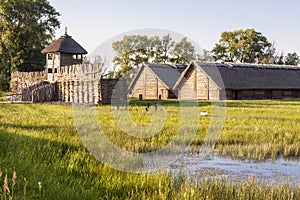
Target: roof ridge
x=250 y=65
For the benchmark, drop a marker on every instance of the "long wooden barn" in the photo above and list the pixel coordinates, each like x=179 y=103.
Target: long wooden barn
x=220 y=81
x=156 y=81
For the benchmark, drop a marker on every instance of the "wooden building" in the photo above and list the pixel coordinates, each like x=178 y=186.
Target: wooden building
x=63 y=52
x=219 y=81
x=156 y=81
x=66 y=79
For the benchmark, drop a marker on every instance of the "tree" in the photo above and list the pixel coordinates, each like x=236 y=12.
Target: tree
x=133 y=50
x=26 y=27
x=292 y=59
x=243 y=46
x=183 y=52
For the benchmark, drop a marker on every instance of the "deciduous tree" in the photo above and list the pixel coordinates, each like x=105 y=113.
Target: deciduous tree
x=243 y=46
x=133 y=50
x=292 y=59
x=26 y=27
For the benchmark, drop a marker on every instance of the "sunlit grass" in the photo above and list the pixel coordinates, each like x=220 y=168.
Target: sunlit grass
x=40 y=143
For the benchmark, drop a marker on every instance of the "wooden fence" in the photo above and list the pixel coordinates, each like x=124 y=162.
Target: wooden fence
x=40 y=92
x=21 y=80
x=79 y=84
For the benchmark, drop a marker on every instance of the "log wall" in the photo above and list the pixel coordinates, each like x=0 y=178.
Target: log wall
x=150 y=87
x=188 y=86
x=79 y=84
x=21 y=80
x=40 y=92
x=262 y=94
x=197 y=85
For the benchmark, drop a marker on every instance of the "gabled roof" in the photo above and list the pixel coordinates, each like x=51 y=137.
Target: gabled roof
x=249 y=76
x=167 y=74
x=65 y=44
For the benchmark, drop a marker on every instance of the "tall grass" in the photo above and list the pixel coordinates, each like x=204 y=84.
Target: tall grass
x=40 y=143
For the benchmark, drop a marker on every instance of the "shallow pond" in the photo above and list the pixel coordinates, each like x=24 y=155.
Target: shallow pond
x=270 y=172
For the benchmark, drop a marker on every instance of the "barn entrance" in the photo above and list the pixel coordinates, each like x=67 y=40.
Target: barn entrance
x=236 y=95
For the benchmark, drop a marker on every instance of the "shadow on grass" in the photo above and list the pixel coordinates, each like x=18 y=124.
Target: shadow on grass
x=64 y=171
x=31 y=127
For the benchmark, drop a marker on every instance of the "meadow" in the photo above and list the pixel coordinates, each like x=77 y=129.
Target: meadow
x=42 y=156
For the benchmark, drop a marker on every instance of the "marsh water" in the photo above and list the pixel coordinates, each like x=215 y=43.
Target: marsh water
x=269 y=172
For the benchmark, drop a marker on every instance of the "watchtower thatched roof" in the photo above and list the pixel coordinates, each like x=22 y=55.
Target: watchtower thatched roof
x=65 y=44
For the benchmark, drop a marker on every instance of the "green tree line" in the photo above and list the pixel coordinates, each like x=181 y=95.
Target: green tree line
x=244 y=46
x=133 y=50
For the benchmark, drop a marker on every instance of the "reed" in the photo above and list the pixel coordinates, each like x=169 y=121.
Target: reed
x=40 y=143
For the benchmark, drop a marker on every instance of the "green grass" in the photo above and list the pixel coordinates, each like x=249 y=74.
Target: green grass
x=3 y=95
x=261 y=129
x=40 y=143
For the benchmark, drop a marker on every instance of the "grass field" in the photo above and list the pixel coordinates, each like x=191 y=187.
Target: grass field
x=42 y=156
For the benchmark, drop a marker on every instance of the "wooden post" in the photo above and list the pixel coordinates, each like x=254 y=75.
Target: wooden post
x=86 y=91
x=71 y=91
x=76 y=91
x=91 y=92
x=67 y=89
x=81 y=93
x=63 y=91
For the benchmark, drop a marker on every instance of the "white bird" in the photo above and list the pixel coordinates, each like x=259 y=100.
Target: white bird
x=204 y=113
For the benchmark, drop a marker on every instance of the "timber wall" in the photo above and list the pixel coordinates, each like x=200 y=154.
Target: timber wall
x=148 y=86
x=262 y=94
x=196 y=85
x=21 y=80
x=79 y=84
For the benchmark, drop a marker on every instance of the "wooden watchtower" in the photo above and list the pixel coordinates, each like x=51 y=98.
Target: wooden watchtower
x=63 y=52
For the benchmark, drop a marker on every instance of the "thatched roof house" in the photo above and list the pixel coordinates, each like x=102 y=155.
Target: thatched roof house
x=65 y=44
x=156 y=81
x=65 y=51
x=215 y=81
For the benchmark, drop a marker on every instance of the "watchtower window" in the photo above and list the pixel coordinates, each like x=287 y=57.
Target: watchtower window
x=77 y=57
x=50 y=56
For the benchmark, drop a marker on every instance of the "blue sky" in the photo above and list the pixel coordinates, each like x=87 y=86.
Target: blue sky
x=92 y=22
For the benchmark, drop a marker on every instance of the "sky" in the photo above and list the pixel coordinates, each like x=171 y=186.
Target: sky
x=93 y=22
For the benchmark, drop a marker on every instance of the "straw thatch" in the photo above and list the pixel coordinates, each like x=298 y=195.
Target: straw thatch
x=65 y=44
x=207 y=80
x=251 y=76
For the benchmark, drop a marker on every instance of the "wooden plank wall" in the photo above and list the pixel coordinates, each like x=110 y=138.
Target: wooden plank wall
x=188 y=87
x=149 y=86
x=198 y=86
x=263 y=94
x=114 y=91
